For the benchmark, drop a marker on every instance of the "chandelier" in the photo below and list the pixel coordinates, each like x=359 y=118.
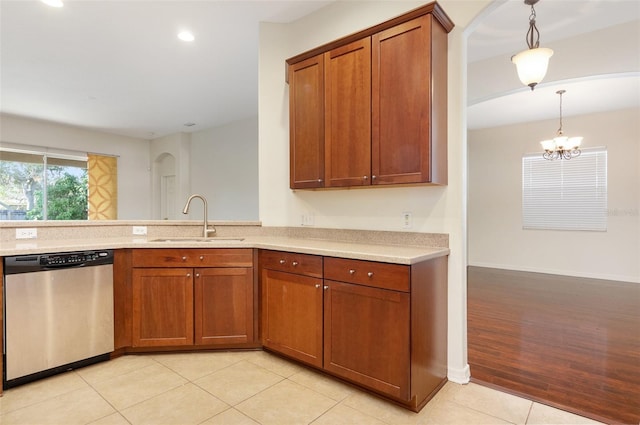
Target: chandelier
x=532 y=64
x=561 y=146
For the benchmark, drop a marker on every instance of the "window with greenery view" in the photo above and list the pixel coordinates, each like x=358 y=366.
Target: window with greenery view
x=37 y=186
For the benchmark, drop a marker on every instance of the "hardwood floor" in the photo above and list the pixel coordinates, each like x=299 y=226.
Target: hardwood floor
x=572 y=343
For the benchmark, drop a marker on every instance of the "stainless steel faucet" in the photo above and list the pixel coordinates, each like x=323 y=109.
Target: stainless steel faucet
x=205 y=229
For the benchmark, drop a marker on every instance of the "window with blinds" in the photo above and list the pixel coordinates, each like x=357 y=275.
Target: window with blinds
x=565 y=194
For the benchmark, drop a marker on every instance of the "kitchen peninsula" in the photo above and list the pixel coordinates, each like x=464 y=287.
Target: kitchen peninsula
x=368 y=307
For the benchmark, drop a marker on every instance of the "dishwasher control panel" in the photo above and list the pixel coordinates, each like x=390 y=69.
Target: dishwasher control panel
x=41 y=262
x=72 y=258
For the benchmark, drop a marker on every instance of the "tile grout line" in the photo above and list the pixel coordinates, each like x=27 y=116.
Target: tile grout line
x=526 y=421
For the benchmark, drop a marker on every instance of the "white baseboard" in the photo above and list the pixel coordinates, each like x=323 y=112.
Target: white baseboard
x=459 y=376
x=618 y=278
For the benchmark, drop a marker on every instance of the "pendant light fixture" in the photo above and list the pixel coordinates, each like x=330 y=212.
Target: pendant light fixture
x=532 y=63
x=561 y=146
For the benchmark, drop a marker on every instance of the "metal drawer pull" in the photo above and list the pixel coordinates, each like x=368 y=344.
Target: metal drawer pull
x=201 y=257
x=318 y=285
x=184 y=258
x=326 y=287
x=370 y=274
x=197 y=274
x=282 y=261
x=351 y=271
x=295 y=263
x=188 y=274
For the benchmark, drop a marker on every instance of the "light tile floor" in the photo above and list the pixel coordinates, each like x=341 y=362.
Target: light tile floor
x=252 y=387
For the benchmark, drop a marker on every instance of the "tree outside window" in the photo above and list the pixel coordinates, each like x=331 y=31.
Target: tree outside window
x=41 y=187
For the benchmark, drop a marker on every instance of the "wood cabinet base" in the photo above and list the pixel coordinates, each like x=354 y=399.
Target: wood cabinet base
x=414 y=404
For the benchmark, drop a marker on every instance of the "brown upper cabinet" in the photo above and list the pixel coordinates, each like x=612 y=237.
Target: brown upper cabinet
x=371 y=108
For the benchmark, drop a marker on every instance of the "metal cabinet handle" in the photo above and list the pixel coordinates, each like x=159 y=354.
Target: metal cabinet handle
x=351 y=271
x=373 y=177
x=188 y=274
x=282 y=261
x=197 y=274
x=365 y=177
x=295 y=263
x=201 y=257
x=184 y=258
x=318 y=285
x=326 y=287
x=370 y=274
x=319 y=180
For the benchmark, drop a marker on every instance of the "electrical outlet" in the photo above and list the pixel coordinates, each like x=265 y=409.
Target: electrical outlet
x=139 y=230
x=307 y=219
x=407 y=220
x=26 y=233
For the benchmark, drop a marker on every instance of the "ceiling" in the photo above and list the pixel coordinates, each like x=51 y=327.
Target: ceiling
x=118 y=67
x=578 y=31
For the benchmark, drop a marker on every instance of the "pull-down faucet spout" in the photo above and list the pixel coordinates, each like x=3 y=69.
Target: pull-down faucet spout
x=205 y=225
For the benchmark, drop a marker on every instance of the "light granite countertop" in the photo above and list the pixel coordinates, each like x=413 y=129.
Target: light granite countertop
x=387 y=253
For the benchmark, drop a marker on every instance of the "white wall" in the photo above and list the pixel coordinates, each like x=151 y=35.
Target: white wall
x=435 y=209
x=224 y=169
x=134 y=181
x=496 y=237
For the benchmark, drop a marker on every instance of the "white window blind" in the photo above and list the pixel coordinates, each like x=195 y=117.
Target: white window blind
x=565 y=194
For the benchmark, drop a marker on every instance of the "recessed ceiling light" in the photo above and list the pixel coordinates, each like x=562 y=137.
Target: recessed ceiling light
x=53 y=3
x=186 y=36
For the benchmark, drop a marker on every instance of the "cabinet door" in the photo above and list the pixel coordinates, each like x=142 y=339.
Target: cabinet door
x=162 y=307
x=292 y=315
x=348 y=114
x=401 y=103
x=366 y=337
x=306 y=123
x=223 y=305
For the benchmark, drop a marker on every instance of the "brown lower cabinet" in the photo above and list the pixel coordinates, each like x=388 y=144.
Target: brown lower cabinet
x=381 y=326
x=211 y=304
x=366 y=336
x=292 y=308
x=162 y=307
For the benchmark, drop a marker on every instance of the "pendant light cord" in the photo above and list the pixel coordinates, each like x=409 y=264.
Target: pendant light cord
x=560 y=92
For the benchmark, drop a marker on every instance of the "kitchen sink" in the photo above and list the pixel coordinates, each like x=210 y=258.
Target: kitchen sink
x=213 y=239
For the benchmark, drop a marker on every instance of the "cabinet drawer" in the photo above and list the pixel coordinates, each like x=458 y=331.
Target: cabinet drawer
x=378 y=275
x=305 y=264
x=213 y=257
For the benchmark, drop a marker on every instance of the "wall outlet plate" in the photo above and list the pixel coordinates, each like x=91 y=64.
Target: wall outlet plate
x=407 y=220
x=139 y=230
x=26 y=233
x=307 y=219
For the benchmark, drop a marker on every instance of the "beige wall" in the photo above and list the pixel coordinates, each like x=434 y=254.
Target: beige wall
x=134 y=180
x=435 y=209
x=224 y=168
x=496 y=237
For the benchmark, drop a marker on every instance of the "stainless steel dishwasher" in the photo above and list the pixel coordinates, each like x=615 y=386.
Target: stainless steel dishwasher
x=58 y=313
